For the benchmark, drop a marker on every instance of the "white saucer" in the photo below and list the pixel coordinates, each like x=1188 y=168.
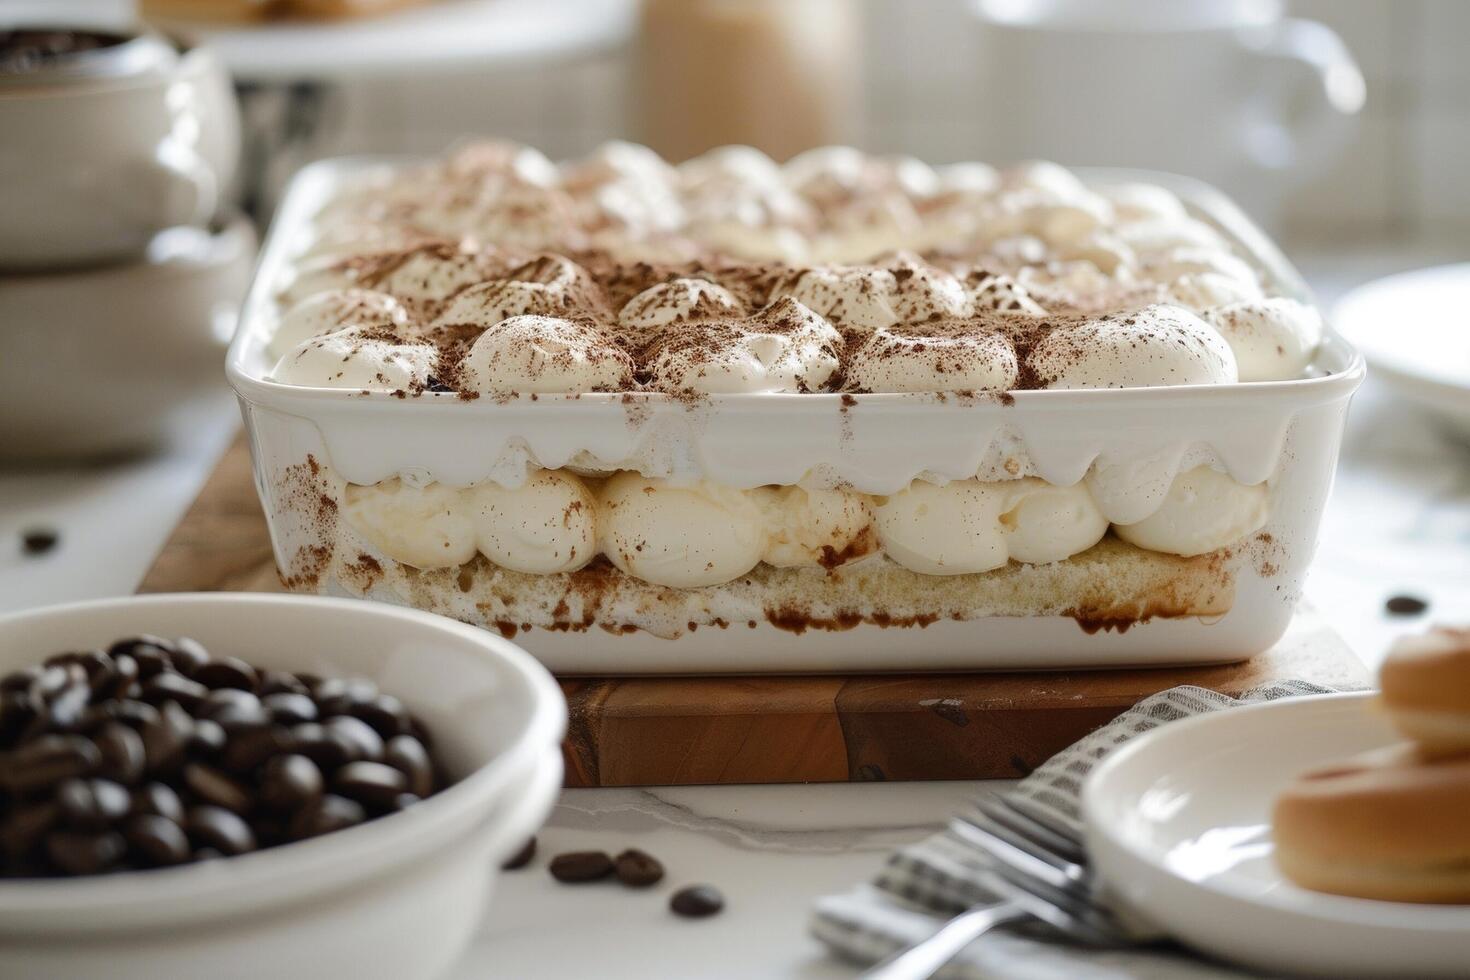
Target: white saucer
x=1414 y=330
x=1178 y=826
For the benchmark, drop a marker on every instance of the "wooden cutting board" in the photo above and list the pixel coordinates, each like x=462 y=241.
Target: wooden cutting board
x=781 y=729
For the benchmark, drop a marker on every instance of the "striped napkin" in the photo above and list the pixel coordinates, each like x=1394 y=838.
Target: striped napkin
x=925 y=883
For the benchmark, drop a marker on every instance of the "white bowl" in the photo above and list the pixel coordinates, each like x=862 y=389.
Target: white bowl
x=107 y=359
x=399 y=896
x=1178 y=824
x=97 y=164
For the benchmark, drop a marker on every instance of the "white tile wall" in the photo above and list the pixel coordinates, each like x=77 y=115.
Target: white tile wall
x=1405 y=171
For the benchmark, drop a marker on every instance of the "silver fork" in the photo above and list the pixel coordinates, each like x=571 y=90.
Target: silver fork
x=1039 y=870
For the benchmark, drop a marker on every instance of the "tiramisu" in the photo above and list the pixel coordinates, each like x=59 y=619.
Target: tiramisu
x=496 y=274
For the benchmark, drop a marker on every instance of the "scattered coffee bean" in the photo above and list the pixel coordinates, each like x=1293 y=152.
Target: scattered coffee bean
x=696 y=901
x=520 y=858
x=1405 y=605
x=38 y=540
x=151 y=754
x=575 y=867
x=638 y=869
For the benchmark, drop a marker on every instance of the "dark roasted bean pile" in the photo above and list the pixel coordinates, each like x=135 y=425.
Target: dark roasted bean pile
x=152 y=753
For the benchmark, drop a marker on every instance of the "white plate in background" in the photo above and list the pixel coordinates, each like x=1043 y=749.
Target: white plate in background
x=1178 y=824
x=1414 y=330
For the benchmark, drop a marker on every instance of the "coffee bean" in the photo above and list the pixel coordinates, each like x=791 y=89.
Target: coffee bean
x=57 y=678
x=131 y=712
x=19 y=711
x=150 y=657
x=289 y=708
x=79 y=853
x=246 y=750
x=280 y=682
x=20 y=680
x=520 y=858
x=216 y=788
x=576 y=867
x=165 y=741
x=23 y=829
x=366 y=744
x=384 y=713
x=187 y=655
x=121 y=673
x=158 y=799
x=169 y=686
x=696 y=901
x=336 y=696
x=157 y=841
x=290 y=782
x=638 y=869
x=206 y=739
x=38 y=540
x=235 y=710
x=406 y=754
x=331 y=814
x=373 y=784
x=328 y=749
x=92 y=804
x=1405 y=605
x=123 y=757
x=216 y=827
x=205 y=854
x=48 y=760
x=226 y=672
x=66 y=710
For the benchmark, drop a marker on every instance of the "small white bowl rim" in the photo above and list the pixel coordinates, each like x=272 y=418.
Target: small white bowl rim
x=1331 y=909
x=370 y=845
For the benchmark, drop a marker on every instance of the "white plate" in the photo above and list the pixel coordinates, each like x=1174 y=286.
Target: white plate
x=1414 y=330
x=1178 y=824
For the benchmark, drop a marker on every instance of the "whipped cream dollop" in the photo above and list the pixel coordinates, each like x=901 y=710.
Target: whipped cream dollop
x=1157 y=345
x=1204 y=510
x=426 y=527
x=545 y=526
x=542 y=354
x=679 y=536
x=814 y=526
x=363 y=357
x=332 y=310
x=943 y=356
x=549 y=285
x=972 y=526
x=1273 y=339
x=676 y=301
x=784 y=347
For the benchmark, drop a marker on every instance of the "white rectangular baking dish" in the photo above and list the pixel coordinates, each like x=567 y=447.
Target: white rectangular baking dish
x=1287 y=432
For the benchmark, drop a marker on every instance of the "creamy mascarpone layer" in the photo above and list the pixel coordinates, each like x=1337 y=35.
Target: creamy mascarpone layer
x=702 y=534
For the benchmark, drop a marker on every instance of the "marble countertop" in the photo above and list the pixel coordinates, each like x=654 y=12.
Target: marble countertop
x=1398 y=522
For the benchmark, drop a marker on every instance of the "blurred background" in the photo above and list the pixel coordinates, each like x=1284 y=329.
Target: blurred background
x=925 y=77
